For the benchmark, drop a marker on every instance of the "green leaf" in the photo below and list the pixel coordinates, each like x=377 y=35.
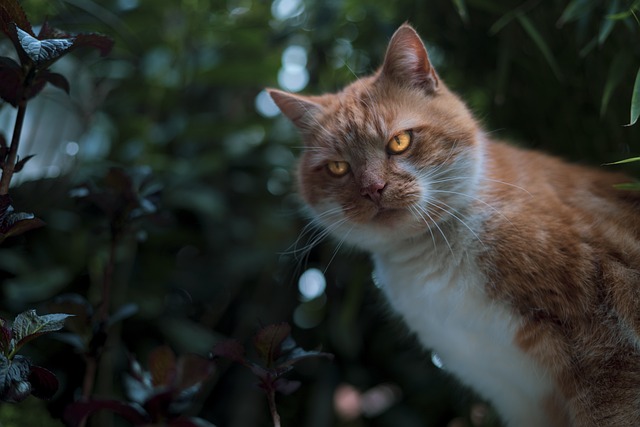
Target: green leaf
x=607 y=25
x=574 y=10
x=629 y=160
x=628 y=186
x=619 y=16
x=461 y=7
x=531 y=30
x=501 y=23
x=635 y=101
x=29 y=325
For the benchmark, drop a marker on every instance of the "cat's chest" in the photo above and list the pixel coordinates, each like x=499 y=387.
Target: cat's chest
x=447 y=308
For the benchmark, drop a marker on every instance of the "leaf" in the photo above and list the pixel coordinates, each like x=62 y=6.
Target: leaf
x=19 y=223
x=461 y=7
x=635 y=101
x=533 y=33
x=162 y=366
x=77 y=412
x=44 y=383
x=58 y=80
x=40 y=51
x=10 y=81
x=95 y=40
x=606 y=26
x=193 y=370
x=14 y=384
x=11 y=13
x=231 y=349
x=268 y=341
x=620 y=162
x=98 y=41
x=574 y=10
x=635 y=186
x=29 y=325
x=20 y=163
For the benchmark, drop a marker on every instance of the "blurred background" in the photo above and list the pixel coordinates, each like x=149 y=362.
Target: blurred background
x=221 y=249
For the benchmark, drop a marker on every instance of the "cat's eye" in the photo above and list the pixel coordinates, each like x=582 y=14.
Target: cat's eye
x=399 y=143
x=338 y=168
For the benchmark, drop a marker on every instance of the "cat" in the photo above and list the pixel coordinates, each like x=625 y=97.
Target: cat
x=521 y=271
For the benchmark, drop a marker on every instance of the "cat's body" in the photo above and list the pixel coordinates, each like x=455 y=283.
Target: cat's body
x=520 y=271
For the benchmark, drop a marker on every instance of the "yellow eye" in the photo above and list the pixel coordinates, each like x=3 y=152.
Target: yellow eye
x=338 y=168
x=399 y=143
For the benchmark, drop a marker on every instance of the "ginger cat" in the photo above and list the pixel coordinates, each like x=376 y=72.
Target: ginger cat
x=520 y=270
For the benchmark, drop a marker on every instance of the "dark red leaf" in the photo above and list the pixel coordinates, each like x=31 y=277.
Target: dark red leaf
x=44 y=383
x=158 y=406
x=20 y=164
x=268 y=341
x=162 y=366
x=98 y=41
x=14 y=225
x=12 y=13
x=192 y=370
x=231 y=349
x=10 y=83
x=58 y=80
x=35 y=88
x=76 y=412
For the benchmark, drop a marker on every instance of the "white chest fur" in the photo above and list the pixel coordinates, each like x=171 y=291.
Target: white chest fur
x=443 y=301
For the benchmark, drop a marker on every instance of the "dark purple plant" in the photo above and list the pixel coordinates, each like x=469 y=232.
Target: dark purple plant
x=21 y=81
x=19 y=378
x=278 y=353
x=157 y=396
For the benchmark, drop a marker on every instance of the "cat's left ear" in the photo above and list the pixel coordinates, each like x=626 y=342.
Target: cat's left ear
x=299 y=109
x=407 y=61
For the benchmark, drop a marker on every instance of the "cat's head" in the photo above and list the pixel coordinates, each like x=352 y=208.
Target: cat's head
x=391 y=155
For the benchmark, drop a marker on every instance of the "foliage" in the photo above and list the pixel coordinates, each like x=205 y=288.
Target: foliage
x=19 y=378
x=278 y=353
x=22 y=81
x=166 y=183
x=157 y=396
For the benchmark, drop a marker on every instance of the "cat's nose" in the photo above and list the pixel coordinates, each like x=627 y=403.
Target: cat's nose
x=373 y=190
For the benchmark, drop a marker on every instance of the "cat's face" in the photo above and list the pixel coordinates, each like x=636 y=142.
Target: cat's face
x=389 y=156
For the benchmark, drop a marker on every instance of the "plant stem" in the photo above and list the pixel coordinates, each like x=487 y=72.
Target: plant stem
x=271 y=397
x=10 y=161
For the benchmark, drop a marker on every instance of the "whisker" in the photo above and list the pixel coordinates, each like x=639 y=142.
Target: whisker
x=423 y=210
x=452 y=211
x=477 y=199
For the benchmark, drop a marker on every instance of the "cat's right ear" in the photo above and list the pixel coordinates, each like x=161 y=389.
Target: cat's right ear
x=297 y=108
x=407 y=61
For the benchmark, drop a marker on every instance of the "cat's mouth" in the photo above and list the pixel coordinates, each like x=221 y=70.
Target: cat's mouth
x=387 y=215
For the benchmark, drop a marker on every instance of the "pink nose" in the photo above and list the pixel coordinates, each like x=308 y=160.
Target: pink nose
x=373 y=190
